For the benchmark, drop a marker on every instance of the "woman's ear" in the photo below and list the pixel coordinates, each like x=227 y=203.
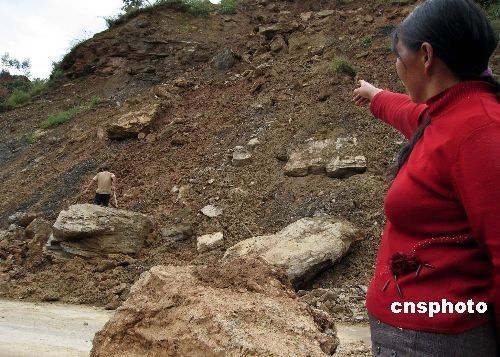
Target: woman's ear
x=427 y=56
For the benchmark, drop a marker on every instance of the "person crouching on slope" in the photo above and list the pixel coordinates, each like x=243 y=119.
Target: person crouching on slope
x=106 y=185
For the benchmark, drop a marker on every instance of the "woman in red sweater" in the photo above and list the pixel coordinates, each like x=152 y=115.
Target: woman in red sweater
x=436 y=287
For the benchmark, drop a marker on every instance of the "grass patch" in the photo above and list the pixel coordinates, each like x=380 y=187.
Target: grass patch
x=64 y=116
x=341 y=66
x=22 y=93
x=227 y=7
x=366 y=41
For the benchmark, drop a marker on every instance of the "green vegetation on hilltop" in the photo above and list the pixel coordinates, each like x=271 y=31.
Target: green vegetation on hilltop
x=132 y=8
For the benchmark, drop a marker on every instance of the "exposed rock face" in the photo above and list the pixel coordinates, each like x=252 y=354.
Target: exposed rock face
x=90 y=230
x=241 y=309
x=130 y=124
x=303 y=248
x=209 y=241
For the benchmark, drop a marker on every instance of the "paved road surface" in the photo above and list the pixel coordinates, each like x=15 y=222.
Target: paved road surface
x=41 y=329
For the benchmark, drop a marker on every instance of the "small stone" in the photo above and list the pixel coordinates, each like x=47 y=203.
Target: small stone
x=22 y=219
x=178 y=141
x=211 y=211
x=324 y=95
x=104 y=265
x=306 y=16
x=113 y=304
x=278 y=44
x=141 y=135
x=150 y=138
x=241 y=156
x=50 y=297
x=282 y=156
x=253 y=142
x=368 y=18
x=209 y=242
x=324 y=13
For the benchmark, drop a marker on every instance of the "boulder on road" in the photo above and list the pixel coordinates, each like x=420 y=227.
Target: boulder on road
x=243 y=308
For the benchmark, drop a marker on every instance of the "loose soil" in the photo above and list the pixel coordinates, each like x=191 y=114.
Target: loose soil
x=283 y=98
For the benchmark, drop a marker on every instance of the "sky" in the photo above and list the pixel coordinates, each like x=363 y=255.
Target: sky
x=45 y=30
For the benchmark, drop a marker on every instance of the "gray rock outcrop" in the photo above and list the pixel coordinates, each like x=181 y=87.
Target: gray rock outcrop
x=337 y=158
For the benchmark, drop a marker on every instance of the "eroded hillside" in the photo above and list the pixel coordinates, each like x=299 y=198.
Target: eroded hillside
x=218 y=82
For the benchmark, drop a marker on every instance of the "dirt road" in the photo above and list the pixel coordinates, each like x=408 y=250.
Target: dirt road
x=42 y=329
x=53 y=329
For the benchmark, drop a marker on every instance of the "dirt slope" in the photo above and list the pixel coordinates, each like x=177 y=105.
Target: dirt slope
x=282 y=97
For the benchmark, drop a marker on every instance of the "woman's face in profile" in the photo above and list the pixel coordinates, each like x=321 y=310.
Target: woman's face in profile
x=410 y=69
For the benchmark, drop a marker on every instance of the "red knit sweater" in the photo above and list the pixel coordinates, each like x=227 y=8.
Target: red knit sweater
x=442 y=209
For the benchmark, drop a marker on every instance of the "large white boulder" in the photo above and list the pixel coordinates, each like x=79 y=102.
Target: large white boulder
x=303 y=249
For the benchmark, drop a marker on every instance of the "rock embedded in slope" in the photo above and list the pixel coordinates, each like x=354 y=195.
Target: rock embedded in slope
x=177 y=233
x=22 y=219
x=303 y=248
x=225 y=59
x=130 y=124
x=211 y=211
x=311 y=159
x=241 y=156
x=324 y=13
x=209 y=242
x=91 y=230
x=346 y=167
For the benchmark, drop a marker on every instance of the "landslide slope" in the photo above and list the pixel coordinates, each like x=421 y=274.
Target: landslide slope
x=281 y=90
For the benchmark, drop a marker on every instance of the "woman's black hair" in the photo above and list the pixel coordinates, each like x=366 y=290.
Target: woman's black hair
x=460 y=35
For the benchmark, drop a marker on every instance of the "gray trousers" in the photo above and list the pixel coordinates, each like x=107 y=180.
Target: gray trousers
x=394 y=342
